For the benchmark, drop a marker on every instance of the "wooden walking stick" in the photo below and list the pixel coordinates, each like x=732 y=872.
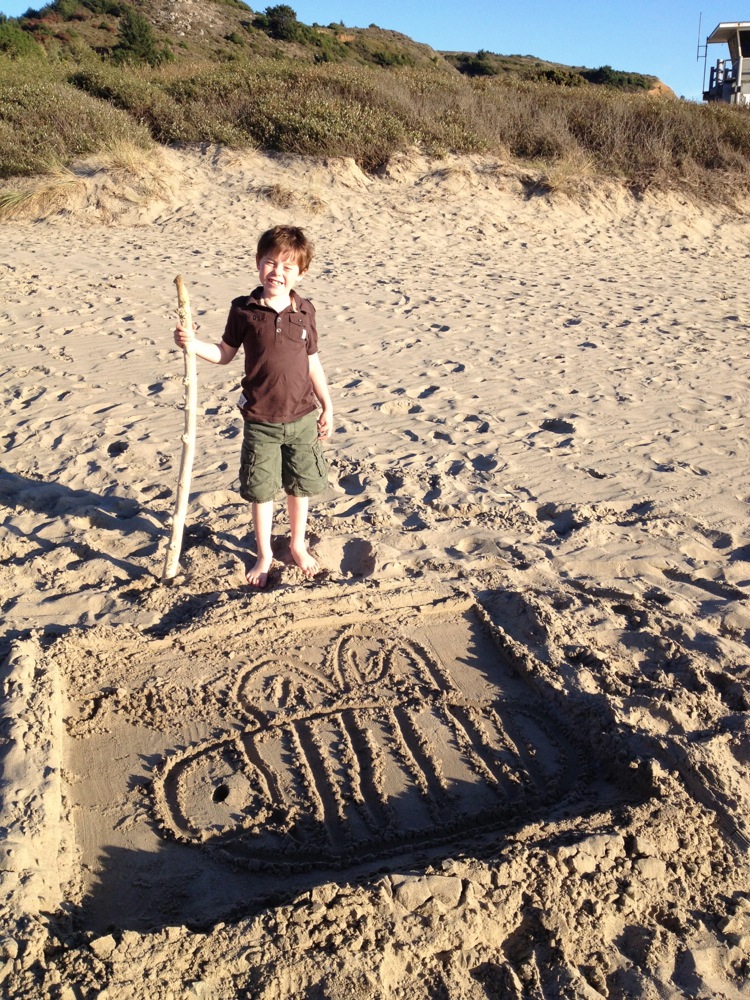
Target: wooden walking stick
x=172 y=561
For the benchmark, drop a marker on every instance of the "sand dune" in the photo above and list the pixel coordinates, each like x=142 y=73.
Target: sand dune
x=499 y=749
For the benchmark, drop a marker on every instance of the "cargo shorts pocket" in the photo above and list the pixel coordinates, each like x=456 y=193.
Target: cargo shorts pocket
x=306 y=472
x=320 y=460
x=247 y=467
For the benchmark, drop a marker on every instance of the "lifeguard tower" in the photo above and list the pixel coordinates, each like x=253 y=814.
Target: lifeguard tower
x=729 y=80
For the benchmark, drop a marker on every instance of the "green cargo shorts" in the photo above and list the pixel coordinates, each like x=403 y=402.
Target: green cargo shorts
x=276 y=455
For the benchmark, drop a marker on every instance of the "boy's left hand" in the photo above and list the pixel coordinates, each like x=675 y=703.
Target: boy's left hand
x=325 y=424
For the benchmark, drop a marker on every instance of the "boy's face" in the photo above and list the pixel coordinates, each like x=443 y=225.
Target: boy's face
x=279 y=273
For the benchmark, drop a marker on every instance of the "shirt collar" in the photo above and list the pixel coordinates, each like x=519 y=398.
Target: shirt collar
x=256 y=297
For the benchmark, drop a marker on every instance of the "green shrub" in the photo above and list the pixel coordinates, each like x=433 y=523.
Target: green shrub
x=66 y=9
x=327 y=47
x=561 y=77
x=44 y=121
x=111 y=7
x=376 y=48
x=17 y=44
x=34 y=15
x=137 y=42
x=130 y=90
x=478 y=65
x=609 y=77
x=279 y=22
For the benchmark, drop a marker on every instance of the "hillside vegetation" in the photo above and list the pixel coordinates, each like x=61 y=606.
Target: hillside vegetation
x=534 y=70
x=80 y=76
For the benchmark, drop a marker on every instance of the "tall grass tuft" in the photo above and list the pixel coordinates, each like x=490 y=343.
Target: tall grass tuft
x=109 y=184
x=54 y=191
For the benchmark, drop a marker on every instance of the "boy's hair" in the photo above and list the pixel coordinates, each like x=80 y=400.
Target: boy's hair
x=287 y=240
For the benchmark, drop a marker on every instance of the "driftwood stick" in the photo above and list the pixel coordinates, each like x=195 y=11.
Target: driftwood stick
x=172 y=561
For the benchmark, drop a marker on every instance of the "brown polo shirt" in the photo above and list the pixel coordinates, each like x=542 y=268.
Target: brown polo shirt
x=276 y=388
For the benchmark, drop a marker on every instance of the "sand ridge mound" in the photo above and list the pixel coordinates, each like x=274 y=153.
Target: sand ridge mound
x=129 y=186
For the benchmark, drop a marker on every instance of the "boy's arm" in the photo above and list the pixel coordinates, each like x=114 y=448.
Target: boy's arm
x=217 y=354
x=320 y=387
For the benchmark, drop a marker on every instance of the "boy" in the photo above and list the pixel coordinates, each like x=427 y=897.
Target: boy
x=283 y=386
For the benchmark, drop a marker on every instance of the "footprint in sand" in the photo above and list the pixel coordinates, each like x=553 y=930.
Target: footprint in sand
x=453 y=367
x=394 y=482
x=472 y=418
x=351 y=483
x=396 y=406
x=483 y=463
x=558 y=426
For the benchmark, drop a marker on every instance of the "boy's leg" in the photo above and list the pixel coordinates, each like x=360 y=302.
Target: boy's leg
x=297 y=507
x=303 y=474
x=260 y=476
x=263 y=523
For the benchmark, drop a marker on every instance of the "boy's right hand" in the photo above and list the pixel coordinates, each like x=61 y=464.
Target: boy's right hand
x=216 y=354
x=182 y=337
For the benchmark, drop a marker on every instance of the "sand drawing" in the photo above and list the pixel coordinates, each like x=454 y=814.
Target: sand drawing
x=389 y=740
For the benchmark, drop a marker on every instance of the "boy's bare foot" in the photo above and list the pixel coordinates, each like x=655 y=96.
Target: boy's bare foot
x=258 y=575
x=306 y=562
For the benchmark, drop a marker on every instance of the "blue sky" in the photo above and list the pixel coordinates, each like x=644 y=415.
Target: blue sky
x=644 y=36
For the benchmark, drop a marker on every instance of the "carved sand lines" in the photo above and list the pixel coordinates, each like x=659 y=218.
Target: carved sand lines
x=395 y=734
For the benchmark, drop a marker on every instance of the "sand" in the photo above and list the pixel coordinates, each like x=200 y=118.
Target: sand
x=499 y=747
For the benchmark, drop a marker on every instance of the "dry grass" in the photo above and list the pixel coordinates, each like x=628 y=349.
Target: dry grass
x=142 y=169
x=131 y=159
x=121 y=174
x=568 y=175
x=286 y=198
x=54 y=192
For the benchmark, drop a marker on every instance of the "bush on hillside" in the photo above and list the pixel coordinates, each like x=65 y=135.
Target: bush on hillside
x=476 y=65
x=17 y=44
x=32 y=14
x=111 y=7
x=279 y=22
x=560 y=77
x=608 y=77
x=137 y=41
x=44 y=122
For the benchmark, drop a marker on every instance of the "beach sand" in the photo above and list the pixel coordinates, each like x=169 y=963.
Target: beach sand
x=499 y=747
